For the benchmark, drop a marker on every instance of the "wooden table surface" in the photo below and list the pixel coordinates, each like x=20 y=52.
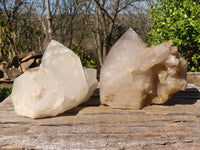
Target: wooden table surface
x=174 y=125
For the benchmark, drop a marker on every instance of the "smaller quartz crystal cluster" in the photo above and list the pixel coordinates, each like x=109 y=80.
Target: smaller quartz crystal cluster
x=134 y=75
x=60 y=84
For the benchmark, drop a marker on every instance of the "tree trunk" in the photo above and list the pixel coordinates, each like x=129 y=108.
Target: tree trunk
x=49 y=21
x=104 y=49
x=98 y=39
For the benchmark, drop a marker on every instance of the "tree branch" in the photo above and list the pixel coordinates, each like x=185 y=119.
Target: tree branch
x=42 y=23
x=101 y=8
x=4 y=5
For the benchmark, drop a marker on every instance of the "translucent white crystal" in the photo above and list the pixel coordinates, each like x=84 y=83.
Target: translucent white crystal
x=134 y=76
x=60 y=84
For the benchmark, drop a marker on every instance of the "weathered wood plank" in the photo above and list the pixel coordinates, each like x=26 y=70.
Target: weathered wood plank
x=174 y=125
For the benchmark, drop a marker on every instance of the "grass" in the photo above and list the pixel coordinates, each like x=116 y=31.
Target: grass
x=4 y=93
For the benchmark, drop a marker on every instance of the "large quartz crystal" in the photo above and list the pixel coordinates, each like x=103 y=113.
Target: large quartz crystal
x=134 y=76
x=60 y=84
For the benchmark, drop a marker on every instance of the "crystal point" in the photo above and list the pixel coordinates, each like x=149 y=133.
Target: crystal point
x=134 y=75
x=60 y=84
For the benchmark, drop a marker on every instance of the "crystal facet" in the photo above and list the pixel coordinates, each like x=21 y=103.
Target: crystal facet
x=60 y=84
x=134 y=75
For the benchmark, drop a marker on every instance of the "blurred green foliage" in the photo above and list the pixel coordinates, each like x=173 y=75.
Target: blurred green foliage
x=4 y=93
x=37 y=32
x=85 y=58
x=178 y=20
x=6 y=29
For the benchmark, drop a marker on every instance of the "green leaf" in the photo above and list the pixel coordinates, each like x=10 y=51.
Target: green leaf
x=178 y=20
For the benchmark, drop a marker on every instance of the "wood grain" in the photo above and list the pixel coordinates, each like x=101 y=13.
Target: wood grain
x=174 y=125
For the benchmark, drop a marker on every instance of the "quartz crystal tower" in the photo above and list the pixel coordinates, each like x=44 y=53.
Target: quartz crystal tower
x=60 y=84
x=134 y=75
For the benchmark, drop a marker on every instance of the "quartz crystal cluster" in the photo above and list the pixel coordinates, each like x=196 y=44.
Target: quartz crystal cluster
x=60 y=84
x=134 y=75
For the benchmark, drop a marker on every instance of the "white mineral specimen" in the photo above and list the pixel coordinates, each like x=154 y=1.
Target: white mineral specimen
x=134 y=76
x=60 y=84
